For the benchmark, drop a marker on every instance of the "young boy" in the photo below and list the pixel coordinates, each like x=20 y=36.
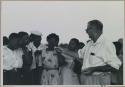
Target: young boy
x=10 y=63
x=26 y=58
x=36 y=47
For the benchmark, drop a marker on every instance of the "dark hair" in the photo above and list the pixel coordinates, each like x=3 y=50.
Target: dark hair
x=52 y=35
x=22 y=33
x=5 y=40
x=13 y=36
x=97 y=23
x=76 y=40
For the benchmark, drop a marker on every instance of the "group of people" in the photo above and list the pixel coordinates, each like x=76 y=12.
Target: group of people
x=26 y=61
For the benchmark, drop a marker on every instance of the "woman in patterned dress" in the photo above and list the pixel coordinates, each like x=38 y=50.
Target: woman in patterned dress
x=52 y=62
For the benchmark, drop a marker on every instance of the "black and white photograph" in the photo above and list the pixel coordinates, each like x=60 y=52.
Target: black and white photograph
x=62 y=42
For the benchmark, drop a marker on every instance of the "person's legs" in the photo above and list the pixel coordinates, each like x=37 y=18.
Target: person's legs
x=27 y=79
x=101 y=79
x=105 y=78
x=33 y=77
x=19 y=76
x=89 y=80
x=83 y=79
x=12 y=77
x=36 y=73
x=36 y=76
x=114 y=78
x=39 y=73
x=67 y=76
x=5 y=78
x=79 y=78
x=120 y=77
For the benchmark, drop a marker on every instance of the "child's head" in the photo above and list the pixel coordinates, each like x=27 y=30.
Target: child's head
x=73 y=44
x=13 y=41
x=53 y=39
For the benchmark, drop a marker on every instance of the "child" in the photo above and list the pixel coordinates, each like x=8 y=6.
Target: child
x=36 y=47
x=10 y=63
x=68 y=74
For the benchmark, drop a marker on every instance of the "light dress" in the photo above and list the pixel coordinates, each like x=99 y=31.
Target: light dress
x=50 y=74
x=68 y=75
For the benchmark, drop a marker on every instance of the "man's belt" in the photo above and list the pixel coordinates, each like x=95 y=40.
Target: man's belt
x=13 y=70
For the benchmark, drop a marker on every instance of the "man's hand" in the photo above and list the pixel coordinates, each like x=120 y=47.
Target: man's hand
x=88 y=71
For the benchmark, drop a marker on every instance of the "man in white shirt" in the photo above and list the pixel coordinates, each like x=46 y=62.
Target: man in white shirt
x=99 y=57
x=10 y=62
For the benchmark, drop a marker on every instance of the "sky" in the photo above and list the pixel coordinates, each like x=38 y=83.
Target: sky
x=68 y=19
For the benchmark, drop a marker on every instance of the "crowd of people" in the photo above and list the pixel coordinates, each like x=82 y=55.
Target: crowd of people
x=26 y=61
